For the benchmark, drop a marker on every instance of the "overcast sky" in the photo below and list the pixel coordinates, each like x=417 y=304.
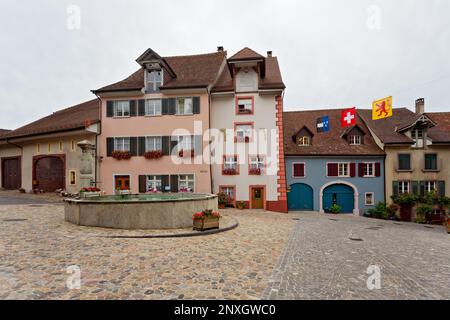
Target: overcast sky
x=332 y=53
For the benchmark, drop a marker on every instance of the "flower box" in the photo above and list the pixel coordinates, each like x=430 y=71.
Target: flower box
x=255 y=171
x=121 y=155
x=205 y=220
x=229 y=172
x=154 y=154
x=123 y=192
x=90 y=192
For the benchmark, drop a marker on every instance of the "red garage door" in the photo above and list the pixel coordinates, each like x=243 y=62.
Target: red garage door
x=11 y=175
x=49 y=173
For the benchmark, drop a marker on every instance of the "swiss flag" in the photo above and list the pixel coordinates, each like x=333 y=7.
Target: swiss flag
x=348 y=117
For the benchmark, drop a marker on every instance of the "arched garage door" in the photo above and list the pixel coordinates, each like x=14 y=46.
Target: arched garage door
x=339 y=194
x=300 y=198
x=49 y=173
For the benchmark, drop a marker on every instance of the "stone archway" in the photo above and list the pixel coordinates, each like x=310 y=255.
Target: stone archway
x=355 y=193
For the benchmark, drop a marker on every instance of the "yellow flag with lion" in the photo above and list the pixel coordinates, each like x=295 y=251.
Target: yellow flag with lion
x=382 y=108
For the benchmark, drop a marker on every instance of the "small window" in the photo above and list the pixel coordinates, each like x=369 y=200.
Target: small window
x=185 y=106
x=61 y=146
x=369 y=169
x=298 y=170
x=185 y=143
x=369 y=199
x=244 y=132
x=244 y=105
x=403 y=187
x=256 y=165
x=230 y=191
x=38 y=148
x=153 y=107
x=343 y=170
x=303 y=141
x=154 y=80
x=72 y=145
x=417 y=136
x=121 y=144
x=355 y=140
x=121 y=108
x=186 y=183
x=430 y=186
x=153 y=144
x=154 y=183
x=72 y=177
x=404 y=162
x=431 y=161
x=230 y=162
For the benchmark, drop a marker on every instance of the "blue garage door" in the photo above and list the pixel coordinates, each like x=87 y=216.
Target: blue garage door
x=300 y=197
x=340 y=194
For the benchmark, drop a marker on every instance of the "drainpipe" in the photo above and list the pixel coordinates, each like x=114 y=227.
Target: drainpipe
x=96 y=140
x=15 y=145
x=209 y=140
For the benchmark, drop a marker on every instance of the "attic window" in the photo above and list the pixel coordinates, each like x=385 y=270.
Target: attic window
x=355 y=140
x=154 y=80
x=417 y=136
x=303 y=141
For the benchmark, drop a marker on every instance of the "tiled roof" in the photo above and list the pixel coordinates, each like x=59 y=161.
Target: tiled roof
x=388 y=129
x=246 y=54
x=440 y=133
x=4 y=131
x=328 y=143
x=64 y=120
x=191 y=71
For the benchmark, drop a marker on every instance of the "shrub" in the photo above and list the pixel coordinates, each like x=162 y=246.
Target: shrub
x=380 y=211
x=422 y=210
x=407 y=199
x=223 y=198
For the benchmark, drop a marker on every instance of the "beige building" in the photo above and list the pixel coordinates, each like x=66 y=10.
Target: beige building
x=47 y=155
x=417 y=146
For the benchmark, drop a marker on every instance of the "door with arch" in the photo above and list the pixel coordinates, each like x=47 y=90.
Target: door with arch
x=49 y=173
x=340 y=194
x=301 y=197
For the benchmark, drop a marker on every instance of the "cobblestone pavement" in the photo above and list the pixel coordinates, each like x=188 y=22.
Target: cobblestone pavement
x=34 y=255
x=321 y=261
x=11 y=197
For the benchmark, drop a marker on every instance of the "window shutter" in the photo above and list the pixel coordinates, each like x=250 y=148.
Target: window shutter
x=165 y=141
x=174 y=183
x=172 y=106
x=133 y=146
x=133 y=112
x=173 y=144
x=415 y=187
x=332 y=169
x=141 y=146
x=196 y=105
x=361 y=169
x=198 y=145
x=164 y=106
x=441 y=188
x=165 y=183
x=299 y=169
x=109 y=146
x=142 y=184
x=395 y=188
x=352 y=169
x=377 y=169
x=141 y=107
x=110 y=109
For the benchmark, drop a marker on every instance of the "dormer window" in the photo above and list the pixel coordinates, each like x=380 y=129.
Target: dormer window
x=303 y=141
x=417 y=136
x=355 y=140
x=154 y=80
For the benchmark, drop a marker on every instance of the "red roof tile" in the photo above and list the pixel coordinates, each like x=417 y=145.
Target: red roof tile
x=64 y=120
x=246 y=54
x=329 y=143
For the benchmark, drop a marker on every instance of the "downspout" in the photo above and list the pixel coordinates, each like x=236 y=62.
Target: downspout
x=209 y=139
x=15 y=145
x=96 y=140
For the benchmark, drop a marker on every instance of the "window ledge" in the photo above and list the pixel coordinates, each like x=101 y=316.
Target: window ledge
x=404 y=170
x=431 y=170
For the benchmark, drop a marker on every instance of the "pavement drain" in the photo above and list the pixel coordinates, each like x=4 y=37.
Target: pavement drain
x=398 y=224
x=14 y=220
x=333 y=219
x=373 y=228
x=429 y=227
x=356 y=239
x=296 y=219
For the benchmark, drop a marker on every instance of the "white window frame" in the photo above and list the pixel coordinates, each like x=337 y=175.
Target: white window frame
x=153 y=84
x=230 y=162
x=355 y=140
x=293 y=170
x=257 y=162
x=187 y=180
x=153 y=107
x=418 y=140
x=153 y=181
x=401 y=186
x=120 y=108
x=347 y=164
x=304 y=141
x=366 y=171
x=120 y=144
x=244 y=132
x=153 y=146
x=181 y=109
x=226 y=189
x=247 y=103
x=373 y=199
x=429 y=184
x=183 y=145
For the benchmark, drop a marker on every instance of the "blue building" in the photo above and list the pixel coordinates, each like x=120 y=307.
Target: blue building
x=336 y=165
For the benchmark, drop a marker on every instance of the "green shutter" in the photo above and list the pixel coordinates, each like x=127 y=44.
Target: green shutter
x=441 y=188
x=395 y=188
x=422 y=188
x=415 y=187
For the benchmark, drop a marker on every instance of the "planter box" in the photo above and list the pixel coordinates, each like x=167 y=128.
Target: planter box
x=123 y=192
x=206 y=224
x=90 y=194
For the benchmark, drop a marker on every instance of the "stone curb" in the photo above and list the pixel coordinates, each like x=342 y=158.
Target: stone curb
x=234 y=225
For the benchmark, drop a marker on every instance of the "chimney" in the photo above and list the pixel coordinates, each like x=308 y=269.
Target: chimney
x=220 y=49
x=269 y=54
x=420 y=106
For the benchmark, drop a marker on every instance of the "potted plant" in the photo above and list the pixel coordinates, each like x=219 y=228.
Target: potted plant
x=121 y=155
x=205 y=220
x=240 y=205
x=392 y=211
x=335 y=209
x=223 y=199
x=90 y=192
x=153 y=154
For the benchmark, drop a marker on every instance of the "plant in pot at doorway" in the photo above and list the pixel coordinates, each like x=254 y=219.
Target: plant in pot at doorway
x=207 y=219
x=223 y=199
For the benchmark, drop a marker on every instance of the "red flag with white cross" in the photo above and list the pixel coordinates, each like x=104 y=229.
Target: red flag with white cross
x=348 y=117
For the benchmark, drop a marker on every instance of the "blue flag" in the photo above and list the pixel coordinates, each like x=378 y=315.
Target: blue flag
x=323 y=124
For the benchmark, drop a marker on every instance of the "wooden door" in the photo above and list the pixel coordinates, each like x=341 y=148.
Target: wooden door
x=49 y=173
x=11 y=175
x=257 y=195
